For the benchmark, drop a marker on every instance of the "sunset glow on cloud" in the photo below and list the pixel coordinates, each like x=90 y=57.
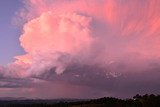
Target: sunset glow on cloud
x=98 y=32
x=107 y=47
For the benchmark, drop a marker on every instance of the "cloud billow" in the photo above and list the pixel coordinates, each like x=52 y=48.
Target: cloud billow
x=109 y=46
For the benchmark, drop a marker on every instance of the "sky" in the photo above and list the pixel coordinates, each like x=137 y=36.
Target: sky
x=79 y=48
x=9 y=32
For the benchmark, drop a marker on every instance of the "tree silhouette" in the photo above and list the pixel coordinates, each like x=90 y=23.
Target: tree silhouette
x=137 y=101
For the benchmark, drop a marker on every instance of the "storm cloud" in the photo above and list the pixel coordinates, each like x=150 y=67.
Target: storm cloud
x=101 y=47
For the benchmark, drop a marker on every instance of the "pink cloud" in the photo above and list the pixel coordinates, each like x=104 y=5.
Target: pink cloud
x=57 y=33
x=89 y=42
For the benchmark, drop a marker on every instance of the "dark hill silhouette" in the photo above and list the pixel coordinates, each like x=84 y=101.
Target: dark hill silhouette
x=137 y=101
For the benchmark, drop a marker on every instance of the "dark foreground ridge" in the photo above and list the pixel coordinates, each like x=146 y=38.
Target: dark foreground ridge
x=136 y=101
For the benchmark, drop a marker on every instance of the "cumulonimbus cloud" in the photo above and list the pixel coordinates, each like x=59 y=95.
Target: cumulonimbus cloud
x=104 y=39
x=57 y=34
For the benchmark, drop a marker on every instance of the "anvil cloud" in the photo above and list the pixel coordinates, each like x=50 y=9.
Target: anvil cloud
x=107 y=46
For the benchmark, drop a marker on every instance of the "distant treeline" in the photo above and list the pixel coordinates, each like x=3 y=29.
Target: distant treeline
x=136 y=101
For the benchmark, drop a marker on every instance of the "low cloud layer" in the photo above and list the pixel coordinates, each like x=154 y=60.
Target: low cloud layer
x=102 y=47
